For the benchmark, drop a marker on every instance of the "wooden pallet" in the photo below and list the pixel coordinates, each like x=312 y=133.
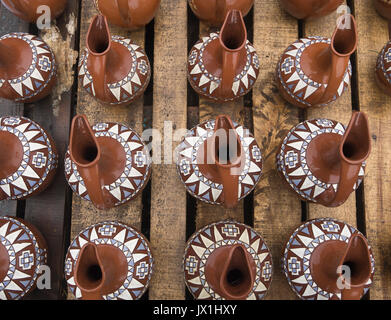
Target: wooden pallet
x=164 y=212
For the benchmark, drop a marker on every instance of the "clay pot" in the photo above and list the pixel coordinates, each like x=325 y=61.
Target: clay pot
x=219 y=162
x=224 y=66
x=28 y=158
x=322 y=161
x=309 y=9
x=383 y=7
x=213 y=12
x=27 y=68
x=315 y=71
x=109 y=261
x=23 y=251
x=131 y=14
x=227 y=260
x=326 y=259
x=29 y=10
x=112 y=69
x=107 y=164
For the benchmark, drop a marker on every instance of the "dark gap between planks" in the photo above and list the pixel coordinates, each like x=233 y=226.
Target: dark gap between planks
x=192 y=120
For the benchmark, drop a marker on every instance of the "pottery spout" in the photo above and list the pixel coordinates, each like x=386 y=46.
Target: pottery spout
x=343 y=45
x=357 y=261
x=233 y=37
x=98 y=44
x=221 y=159
x=230 y=272
x=85 y=152
x=354 y=149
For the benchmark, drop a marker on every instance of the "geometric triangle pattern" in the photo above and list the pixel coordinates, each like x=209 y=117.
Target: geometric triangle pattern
x=205 y=83
x=133 y=245
x=39 y=159
x=383 y=67
x=207 y=240
x=200 y=186
x=124 y=90
x=135 y=173
x=298 y=85
x=27 y=252
x=309 y=239
x=38 y=75
x=296 y=168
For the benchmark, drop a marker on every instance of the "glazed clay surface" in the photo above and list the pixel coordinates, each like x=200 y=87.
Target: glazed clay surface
x=30 y=10
x=214 y=178
x=315 y=251
x=322 y=161
x=224 y=65
x=27 y=68
x=227 y=260
x=109 y=261
x=315 y=71
x=383 y=69
x=310 y=9
x=107 y=164
x=213 y=12
x=112 y=69
x=131 y=14
x=28 y=158
x=22 y=251
x=383 y=7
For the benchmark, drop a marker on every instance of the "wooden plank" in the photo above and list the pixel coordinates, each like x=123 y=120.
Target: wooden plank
x=340 y=110
x=277 y=211
x=10 y=23
x=168 y=196
x=84 y=213
x=373 y=35
x=50 y=210
x=207 y=213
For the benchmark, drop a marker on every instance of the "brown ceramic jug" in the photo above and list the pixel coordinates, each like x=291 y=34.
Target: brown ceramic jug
x=107 y=164
x=326 y=259
x=23 y=250
x=219 y=162
x=383 y=7
x=131 y=14
x=315 y=71
x=322 y=161
x=227 y=260
x=214 y=12
x=112 y=69
x=109 y=261
x=27 y=68
x=224 y=66
x=309 y=9
x=29 y=10
x=28 y=158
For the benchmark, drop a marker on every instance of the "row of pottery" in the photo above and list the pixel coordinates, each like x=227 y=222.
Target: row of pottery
x=222 y=66
x=224 y=260
x=218 y=161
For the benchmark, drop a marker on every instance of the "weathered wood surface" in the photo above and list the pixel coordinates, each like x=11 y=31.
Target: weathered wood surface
x=168 y=197
x=373 y=35
x=164 y=211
